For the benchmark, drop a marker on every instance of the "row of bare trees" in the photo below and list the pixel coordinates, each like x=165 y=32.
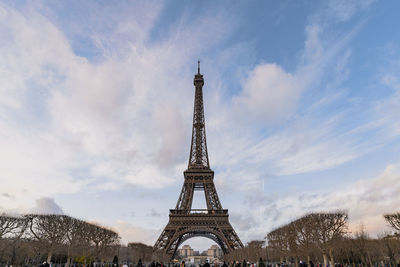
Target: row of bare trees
x=324 y=238
x=315 y=233
x=320 y=237
x=27 y=238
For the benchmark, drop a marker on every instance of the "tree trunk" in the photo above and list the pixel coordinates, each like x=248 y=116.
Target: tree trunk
x=49 y=256
x=325 y=259
x=332 y=262
x=13 y=256
x=369 y=260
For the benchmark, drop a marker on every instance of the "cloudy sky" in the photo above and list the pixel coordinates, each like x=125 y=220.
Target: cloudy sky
x=302 y=105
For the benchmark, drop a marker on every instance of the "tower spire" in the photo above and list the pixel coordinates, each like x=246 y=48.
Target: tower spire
x=198 y=158
x=198 y=66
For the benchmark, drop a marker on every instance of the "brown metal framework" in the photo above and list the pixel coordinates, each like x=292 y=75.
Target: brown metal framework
x=185 y=222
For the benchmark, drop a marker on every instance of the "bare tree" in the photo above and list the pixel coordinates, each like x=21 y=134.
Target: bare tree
x=278 y=242
x=77 y=237
x=328 y=227
x=104 y=240
x=392 y=241
x=11 y=230
x=390 y=247
x=141 y=251
x=308 y=233
x=393 y=220
x=54 y=234
x=49 y=230
x=303 y=230
x=255 y=249
x=361 y=244
x=11 y=226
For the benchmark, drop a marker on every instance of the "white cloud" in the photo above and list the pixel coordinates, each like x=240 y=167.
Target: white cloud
x=46 y=205
x=132 y=233
x=269 y=94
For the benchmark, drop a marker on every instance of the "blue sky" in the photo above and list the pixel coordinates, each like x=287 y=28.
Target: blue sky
x=302 y=104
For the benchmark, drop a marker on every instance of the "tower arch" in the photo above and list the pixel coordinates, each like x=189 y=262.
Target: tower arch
x=214 y=236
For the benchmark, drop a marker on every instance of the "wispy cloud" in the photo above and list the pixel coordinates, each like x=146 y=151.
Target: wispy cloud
x=311 y=137
x=69 y=121
x=365 y=200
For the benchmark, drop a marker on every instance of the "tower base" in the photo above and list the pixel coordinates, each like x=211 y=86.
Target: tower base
x=185 y=224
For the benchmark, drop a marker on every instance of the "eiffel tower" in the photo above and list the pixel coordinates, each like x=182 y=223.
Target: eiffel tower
x=185 y=222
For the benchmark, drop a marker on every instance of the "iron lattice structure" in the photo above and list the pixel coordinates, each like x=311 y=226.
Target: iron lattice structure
x=185 y=222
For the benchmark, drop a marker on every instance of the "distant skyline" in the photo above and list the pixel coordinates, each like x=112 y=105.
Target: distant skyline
x=302 y=110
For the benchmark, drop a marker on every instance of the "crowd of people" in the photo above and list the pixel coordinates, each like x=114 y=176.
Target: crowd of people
x=214 y=264
x=243 y=263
